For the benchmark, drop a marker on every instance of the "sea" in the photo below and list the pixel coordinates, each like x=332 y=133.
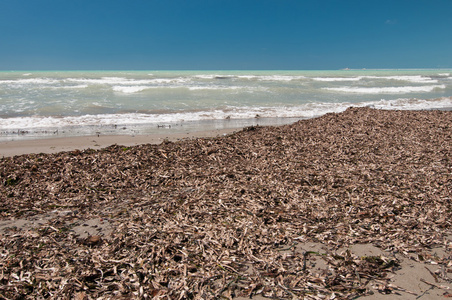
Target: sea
x=48 y=104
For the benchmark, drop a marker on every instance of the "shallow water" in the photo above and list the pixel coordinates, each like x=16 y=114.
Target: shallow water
x=39 y=104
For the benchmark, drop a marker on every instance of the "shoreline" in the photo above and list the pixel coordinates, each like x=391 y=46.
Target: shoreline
x=136 y=135
x=61 y=144
x=144 y=135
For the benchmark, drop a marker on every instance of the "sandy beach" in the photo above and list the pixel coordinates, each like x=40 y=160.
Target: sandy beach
x=344 y=206
x=55 y=145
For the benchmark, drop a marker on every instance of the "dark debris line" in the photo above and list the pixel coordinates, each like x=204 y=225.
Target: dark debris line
x=222 y=217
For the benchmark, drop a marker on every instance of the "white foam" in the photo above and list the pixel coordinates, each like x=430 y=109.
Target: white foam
x=413 y=104
x=247 y=76
x=130 y=89
x=125 y=85
x=271 y=77
x=214 y=87
x=408 y=78
x=165 y=80
x=386 y=90
x=213 y=76
x=20 y=82
x=95 y=81
x=205 y=76
x=332 y=79
x=52 y=123
x=135 y=89
x=68 y=87
x=280 y=78
x=307 y=110
x=104 y=80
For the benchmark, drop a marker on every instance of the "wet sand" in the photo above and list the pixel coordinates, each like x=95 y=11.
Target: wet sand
x=55 y=145
x=71 y=139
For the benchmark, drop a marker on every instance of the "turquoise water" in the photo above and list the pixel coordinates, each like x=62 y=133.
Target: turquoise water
x=38 y=104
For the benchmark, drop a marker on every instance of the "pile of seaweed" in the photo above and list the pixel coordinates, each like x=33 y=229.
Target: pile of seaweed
x=227 y=216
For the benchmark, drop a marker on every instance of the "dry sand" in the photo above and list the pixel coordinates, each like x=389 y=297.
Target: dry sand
x=348 y=205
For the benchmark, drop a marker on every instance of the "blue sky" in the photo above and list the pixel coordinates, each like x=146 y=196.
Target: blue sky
x=229 y=34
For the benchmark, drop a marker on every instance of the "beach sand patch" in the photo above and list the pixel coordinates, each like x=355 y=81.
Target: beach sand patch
x=59 y=221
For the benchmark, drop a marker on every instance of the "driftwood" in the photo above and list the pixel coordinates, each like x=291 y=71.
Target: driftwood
x=226 y=216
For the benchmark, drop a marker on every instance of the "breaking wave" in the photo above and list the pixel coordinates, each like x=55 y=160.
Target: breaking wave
x=307 y=110
x=386 y=90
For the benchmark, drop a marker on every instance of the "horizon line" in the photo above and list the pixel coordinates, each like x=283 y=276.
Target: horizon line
x=222 y=70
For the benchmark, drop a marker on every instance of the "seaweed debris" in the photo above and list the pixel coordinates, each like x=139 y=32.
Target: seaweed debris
x=233 y=216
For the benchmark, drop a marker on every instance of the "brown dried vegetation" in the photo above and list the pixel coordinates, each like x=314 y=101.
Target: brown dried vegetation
x=224 y=217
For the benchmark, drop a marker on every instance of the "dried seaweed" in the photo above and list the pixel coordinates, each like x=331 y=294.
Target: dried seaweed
x=230 y=216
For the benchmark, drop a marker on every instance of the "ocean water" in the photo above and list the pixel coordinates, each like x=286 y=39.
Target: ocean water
x=70 y=103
